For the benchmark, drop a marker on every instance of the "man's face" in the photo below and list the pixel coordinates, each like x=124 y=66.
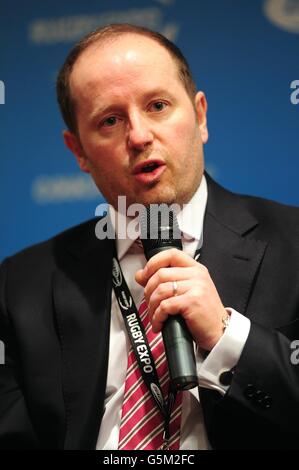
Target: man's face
x=139 y=134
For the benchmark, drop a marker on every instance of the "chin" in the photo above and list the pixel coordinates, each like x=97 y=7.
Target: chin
x=158 y=197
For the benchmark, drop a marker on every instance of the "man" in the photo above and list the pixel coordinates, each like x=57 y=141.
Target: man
x=137 y=125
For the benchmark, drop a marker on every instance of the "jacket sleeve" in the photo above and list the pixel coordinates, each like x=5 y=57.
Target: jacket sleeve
x=16 y=430
x=266 y=380
x=261 y=407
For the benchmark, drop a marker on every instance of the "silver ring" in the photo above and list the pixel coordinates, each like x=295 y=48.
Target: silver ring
x=174 y=288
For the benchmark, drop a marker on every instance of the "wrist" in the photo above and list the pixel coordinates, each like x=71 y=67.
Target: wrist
x=225 y=319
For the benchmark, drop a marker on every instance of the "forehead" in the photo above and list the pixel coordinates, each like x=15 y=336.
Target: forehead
x=121 y=60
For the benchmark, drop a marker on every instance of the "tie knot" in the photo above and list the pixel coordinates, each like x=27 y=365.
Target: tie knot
x=136 y=247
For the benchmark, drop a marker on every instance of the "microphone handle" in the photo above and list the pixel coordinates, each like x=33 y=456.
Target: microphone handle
x=179 y=351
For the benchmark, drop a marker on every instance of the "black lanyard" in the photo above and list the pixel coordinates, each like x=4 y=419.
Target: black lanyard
x=141 y=347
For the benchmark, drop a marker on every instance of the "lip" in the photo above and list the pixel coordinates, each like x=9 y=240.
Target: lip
x=148 y=178
x=138 y=169
x=151 y=177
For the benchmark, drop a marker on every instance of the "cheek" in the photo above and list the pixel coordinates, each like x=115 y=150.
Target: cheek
x=103 y=157
x=185 y=141
x=184 y=128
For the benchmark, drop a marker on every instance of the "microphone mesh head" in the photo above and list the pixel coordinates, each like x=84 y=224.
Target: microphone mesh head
x=159 y=228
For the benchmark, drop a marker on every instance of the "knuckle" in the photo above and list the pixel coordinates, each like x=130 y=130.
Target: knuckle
x=162 y=275
x=163 y=306
x=194 y=296
x=161 y=289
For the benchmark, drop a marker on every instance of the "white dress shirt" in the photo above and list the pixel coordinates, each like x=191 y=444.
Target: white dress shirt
x=223 y=356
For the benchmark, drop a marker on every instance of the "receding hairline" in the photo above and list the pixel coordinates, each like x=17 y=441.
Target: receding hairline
x=113 y=38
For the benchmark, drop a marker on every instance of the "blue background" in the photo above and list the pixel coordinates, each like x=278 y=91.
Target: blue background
x=244 y=55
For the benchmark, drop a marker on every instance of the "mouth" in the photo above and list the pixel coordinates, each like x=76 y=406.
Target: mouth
x=149 y=171
x=148 y=166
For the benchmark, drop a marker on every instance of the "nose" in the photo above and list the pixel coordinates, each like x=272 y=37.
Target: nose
x=140 y=135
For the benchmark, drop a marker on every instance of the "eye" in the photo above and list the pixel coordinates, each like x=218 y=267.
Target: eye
x=158 y=105
x=109 y=122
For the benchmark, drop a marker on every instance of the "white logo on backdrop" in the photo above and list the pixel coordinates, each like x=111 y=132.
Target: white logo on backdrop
x=63 y=188
x=165 y=2
x=283 y=13
x=68 y=29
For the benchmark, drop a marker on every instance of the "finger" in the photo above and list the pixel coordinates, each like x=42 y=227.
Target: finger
x=164 y=275
x=170 y=306
x=140 y=278
x=164 y=291
x=167 y=258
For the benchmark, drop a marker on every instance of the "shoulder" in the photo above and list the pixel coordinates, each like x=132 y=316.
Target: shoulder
x=278 y=224
x=270 y=216
x=264 y=205
x=42 y=256
x=27 y=276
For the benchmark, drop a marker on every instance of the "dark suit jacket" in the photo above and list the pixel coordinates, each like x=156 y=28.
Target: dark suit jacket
x=55 y=315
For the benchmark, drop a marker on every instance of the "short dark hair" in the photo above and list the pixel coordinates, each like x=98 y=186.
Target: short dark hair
x=111 y=31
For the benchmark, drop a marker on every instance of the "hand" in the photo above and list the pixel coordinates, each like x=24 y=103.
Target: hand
x=197 y=299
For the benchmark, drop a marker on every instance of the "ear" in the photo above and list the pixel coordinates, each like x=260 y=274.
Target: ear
x=72 y=142
x=201 y=107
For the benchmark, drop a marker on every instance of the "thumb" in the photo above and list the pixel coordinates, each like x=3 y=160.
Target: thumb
x=140 y=278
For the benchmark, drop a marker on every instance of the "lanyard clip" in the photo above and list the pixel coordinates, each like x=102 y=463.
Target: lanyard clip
x=165 y=445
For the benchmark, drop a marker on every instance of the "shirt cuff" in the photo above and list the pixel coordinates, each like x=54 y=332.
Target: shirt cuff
x=225 y=354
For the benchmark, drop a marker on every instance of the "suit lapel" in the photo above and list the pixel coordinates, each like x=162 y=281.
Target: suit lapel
x=82 y=300
x=229 y=250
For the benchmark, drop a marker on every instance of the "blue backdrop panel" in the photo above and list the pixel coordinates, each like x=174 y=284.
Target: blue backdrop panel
x=244 y=55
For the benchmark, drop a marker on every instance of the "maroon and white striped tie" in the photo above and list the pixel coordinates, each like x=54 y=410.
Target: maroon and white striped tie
x=142 y=423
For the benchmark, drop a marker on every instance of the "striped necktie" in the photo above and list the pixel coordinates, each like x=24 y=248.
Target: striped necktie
x=142 y=424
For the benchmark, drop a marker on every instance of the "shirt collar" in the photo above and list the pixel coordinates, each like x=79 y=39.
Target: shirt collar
x=190 y=220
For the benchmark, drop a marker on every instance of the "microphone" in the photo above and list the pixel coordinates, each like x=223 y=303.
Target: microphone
x=160 y=231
